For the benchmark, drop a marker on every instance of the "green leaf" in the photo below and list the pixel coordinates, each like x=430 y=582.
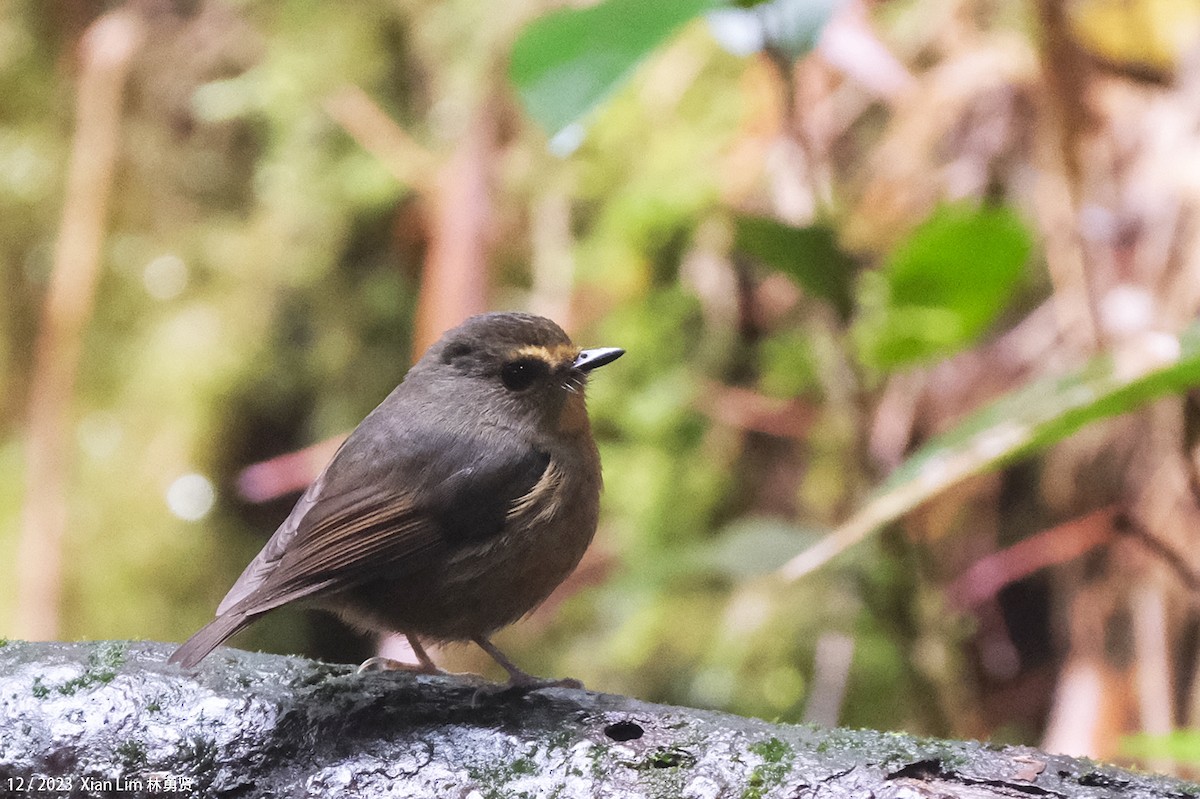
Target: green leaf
x=943 y=286
x=1024 y=421
x=565 y=63
x=809 y=255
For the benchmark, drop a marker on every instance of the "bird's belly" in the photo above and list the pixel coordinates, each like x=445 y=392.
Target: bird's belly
x=475 y=589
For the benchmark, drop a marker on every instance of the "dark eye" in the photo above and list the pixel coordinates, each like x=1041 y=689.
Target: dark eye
x=520 y=375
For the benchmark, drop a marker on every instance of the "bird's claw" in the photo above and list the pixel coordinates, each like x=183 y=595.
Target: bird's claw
x=524 y=683
x=388 y=664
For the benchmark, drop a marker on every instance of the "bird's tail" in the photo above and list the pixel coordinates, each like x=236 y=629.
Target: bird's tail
x=208 y=637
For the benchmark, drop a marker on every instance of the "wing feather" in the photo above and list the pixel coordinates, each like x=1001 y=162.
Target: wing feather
x=387 y=507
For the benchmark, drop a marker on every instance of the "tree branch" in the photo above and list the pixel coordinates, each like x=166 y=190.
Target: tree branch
x=114 y=719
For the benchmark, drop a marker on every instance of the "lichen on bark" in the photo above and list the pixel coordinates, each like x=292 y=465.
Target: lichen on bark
x=113 y=716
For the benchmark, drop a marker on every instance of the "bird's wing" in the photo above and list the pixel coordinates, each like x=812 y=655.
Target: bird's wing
x=388 y=515
x=267 y=559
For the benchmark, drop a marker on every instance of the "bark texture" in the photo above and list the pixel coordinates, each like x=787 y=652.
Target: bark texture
x=110 y=719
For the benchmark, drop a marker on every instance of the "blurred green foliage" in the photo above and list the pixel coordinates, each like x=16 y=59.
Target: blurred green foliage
x=942 y=286
x=1181 y=746
x=1045 y=411
x=810 y=256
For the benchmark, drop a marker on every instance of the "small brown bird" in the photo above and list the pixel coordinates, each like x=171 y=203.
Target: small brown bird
x=454 y=508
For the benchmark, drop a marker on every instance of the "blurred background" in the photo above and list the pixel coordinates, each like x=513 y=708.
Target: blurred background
x=905 y=437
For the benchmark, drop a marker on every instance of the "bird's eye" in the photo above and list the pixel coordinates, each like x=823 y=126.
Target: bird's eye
x=520 y=375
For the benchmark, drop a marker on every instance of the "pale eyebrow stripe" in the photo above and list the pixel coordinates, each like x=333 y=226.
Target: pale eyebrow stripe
x=562 y=353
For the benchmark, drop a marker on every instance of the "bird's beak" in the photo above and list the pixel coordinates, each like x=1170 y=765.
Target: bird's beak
x=588 y=360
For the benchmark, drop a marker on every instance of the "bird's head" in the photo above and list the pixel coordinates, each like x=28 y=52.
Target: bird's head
x=514 y=369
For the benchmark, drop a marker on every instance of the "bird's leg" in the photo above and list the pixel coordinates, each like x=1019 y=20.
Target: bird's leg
x=518 y=678
x=425 y=663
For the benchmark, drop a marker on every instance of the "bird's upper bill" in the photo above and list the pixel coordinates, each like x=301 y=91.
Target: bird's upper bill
x=587 y=360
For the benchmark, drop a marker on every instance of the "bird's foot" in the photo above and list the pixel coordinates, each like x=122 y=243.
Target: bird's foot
x=518 y=680
x=522 y=682
x=517 y=686
x=387 y=664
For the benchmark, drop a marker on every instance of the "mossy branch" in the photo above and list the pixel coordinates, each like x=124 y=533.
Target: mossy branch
x=112 y=718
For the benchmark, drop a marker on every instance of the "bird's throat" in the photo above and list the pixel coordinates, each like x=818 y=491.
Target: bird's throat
x=573 y=418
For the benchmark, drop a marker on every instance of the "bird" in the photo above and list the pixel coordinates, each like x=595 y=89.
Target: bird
x=453 y=509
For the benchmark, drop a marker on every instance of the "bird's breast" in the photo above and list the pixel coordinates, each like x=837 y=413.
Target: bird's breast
x=545 y=534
